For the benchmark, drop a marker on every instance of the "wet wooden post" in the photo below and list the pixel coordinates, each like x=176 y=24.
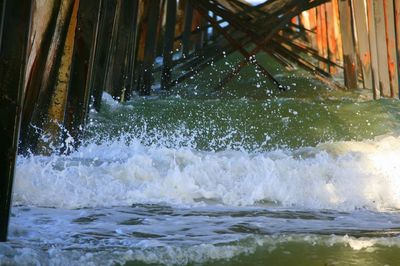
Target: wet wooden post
x=149 y=49
x=322 y=35
x=364 y=51
x=391 y=48
x=42 y=76
x=56 y=110
x=168 y=51
x=349 y=53
x=332 y=36
x=187 y=29
x=107 y=10
x=382 y=52
x=122 y=52
x=204 y=33
x=15 y=18
x=312 y=16
x=131 y=53
x=374 y=49
x=197 y=27
x=397 y=25
x=81 y=69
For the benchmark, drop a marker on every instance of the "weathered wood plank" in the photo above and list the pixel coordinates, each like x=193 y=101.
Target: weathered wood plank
x=169 y=37
x=397 y=25
x=14 y=33
x=364 y=51
x=383 y=64
x=149 y=50
x=349 y=52
x=187 y=29
x=105 y=23
x=41 y=73
x=374 y=49
x=322 y=38
x=391 y=48
x=123 y=46
x=56 y=111
x=81 y=69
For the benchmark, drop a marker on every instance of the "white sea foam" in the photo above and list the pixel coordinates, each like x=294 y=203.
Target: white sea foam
x=342 y=175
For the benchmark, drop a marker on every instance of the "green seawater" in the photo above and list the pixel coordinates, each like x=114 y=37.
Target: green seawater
x=245 y=174
x=249 y=112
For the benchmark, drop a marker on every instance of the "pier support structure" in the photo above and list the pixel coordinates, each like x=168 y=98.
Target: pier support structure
x=14 y=32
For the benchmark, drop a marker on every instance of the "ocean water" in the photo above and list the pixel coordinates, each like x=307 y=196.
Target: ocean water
x=243 y=175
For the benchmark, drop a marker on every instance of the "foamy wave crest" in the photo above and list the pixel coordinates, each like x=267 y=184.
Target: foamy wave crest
x=342 y=175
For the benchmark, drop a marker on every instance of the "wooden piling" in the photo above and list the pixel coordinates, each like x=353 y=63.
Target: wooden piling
x=374 y=49
x=397 y=25
x=105 y=22
x=331 y=20
x=149 y=49
x=364 y=51
x=169 y=37
x=14 y=31
x=187 y=29
x=42 y=71
x=81 y=69
x=121 y=62
x=391 y=48
x=56 y=112
x=383 y=64
x=349 y=52
x=322 y=37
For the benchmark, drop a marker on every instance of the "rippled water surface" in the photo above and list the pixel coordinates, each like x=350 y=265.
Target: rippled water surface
x=244 y=175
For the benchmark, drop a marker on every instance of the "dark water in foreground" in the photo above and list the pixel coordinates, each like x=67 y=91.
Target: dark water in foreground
x=245 y=176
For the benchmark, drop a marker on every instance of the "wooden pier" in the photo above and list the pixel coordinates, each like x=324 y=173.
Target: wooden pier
x=58 y=57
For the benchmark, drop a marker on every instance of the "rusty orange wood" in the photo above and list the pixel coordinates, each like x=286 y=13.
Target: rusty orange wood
x=397 y=21
x=332 y=43
x=383 y=64
x=337 y=32
x=391 y=48
x=312 y=16
x=324 y=35
x=364 y=51
x=373 y=48
x=349 y=53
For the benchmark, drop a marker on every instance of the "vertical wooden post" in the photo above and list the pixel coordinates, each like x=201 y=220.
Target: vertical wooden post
x=187 y=29
x=131 y=52
x=56 y=111
x=180 y=21
x=197 y=25
x=204 y=32
x=360 y=18
x=397 y=24
x=349 y=52
x=312 y=15
x=43 y=64
x=168 y=44
x=15 y=16
x=391 y=48
x=337 y=33
x=383 y=64
x=332 y=38
x=120 y=73
x=81 y=69
x=149 y=49
x=374 y=48
x=107 y=10
x=322 y=38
